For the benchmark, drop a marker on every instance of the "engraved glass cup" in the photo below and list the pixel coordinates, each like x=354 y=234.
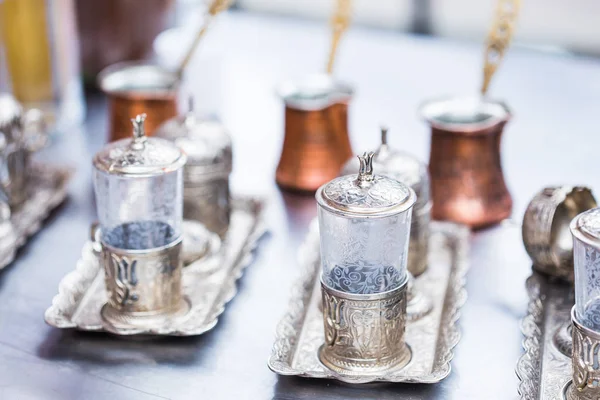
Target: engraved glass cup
x=139 y=196
x=586 y=255
x=364 y=226
x=585 y=316
x=364 y=222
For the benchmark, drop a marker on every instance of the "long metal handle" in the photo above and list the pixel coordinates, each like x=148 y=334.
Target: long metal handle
x=339 y=23
x=499 y=38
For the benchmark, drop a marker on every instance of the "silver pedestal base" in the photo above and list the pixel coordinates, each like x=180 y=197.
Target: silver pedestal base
x=364 y=333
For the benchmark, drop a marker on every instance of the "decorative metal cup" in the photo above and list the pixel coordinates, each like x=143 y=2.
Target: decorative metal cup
x=316 y=143
x=207 y=145
x=585 y=315
x=546 y=228
x=467 y=183
x=364 y=226
x=139 y=195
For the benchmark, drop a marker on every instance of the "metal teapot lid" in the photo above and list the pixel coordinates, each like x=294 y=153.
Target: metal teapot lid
x=141 y=156
x=206 y=143
x=365 y=195
x=396 y=164
x=314 y=92
x=587 y=226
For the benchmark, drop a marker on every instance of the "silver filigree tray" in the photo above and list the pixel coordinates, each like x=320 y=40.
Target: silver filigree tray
x=82 y=293
x=432 y=338
x=47 y=188
x=545 y=368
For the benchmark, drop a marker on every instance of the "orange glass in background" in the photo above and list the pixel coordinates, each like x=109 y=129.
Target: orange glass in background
x=27 y=49
x=40 y=59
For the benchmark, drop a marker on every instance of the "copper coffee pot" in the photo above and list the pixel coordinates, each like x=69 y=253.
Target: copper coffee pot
x=316 y=143
x=133 y=88
x=467 y=184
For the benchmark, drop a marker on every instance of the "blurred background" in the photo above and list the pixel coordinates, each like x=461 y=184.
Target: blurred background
x=46 y=46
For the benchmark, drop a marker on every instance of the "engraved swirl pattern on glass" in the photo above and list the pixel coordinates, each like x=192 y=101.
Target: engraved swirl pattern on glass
x=139 y=213
x=364 y=255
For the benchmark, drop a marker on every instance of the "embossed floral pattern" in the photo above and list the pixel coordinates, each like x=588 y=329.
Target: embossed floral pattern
x=382 y=192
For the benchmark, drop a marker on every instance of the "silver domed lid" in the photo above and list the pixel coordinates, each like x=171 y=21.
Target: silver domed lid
x=399 y=165
x=140 y=156
x=365 y=195
x=587 y=226
x=206 y=143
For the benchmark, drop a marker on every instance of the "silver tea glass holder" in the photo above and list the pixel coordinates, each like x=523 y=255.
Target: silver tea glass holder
x=431 y=338
x=207 y=284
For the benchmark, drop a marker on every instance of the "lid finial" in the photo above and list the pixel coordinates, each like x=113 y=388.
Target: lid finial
x=384 y=132
x=365 y=172
x=138 y=126
x=139 y=134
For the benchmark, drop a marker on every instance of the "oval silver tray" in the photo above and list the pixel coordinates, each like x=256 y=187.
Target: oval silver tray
x=432 y=338
x=81 y=293
x=545 y=341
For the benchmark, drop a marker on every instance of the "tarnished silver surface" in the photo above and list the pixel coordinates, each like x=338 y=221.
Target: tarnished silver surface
x=364 y=334
x=409 y=170
x=546 y=228
x=208 y=203
x=46 y=189
x=142 y=286
x=544 y=369
x=82 y=293
x=431 y=338
x=586 y=371
x=206 y=173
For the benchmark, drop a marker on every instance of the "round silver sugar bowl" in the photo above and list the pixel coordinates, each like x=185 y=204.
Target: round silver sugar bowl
x=409 y=170
x=585 y=315
x=206 y=173
x=364 y=227
x=139 y=195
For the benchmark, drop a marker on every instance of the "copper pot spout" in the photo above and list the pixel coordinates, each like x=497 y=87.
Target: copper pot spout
x=316 y=143
x=467 y=183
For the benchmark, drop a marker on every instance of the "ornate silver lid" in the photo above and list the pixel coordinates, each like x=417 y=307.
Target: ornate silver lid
x=141 y=156
x=399 y=165
x=314 y=92
x=586 y=226
x=365 y=195
x=206 y=143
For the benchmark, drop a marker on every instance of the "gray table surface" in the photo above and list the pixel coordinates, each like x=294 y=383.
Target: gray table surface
x=552 y=139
